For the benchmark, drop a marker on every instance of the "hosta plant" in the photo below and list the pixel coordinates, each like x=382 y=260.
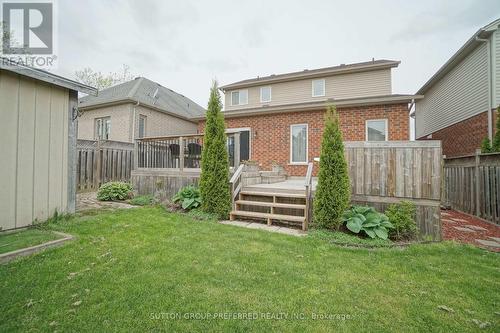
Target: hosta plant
x=368 y=220
x=188 y=197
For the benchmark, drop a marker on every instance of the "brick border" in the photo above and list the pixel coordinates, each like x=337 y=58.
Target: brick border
x=9 y=256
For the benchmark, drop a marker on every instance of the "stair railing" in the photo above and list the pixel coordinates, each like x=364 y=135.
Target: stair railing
x=236 y=185
x=308 y=184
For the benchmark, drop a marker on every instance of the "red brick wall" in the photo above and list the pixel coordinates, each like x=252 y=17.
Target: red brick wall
x=270 y=134
x=465 y=137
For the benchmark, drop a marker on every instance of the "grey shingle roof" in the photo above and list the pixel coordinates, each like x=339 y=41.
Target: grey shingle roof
x=147 y=93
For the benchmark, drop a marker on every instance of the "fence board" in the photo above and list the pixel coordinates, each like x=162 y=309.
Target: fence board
x=472 y=185
x=101 y=162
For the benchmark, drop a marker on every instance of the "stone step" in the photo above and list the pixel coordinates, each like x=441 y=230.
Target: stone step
x=269 y=204
x=272 y=179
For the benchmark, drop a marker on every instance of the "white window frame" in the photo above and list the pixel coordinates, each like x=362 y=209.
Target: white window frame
x=270 y=94
x=141 y=116
x=96 y=127
x=307 y=145
x=312 y=88
x=239 y=97
x=386 y=128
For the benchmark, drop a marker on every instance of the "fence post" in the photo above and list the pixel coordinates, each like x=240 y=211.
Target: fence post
x=135 y=155
x=444 y=184
x=478 y=187
x=97 y=152
x=181 y=153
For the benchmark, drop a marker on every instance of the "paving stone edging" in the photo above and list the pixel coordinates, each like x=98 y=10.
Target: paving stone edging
x=6 y=257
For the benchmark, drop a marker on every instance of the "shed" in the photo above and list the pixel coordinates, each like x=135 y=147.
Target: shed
x=37 y=144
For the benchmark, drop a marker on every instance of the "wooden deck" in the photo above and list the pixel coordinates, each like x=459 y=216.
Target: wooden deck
x=291 y=185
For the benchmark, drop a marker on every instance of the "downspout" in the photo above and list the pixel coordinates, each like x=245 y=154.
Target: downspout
x=490 y=88
x=133 y=121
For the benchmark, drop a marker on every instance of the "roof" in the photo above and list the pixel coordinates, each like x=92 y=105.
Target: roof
x=148 y=93
x=463 y=52
x=39 y=74
x=318 y=105
x=319 y=72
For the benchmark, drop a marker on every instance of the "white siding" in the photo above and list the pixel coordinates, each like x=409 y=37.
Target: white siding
x=496 y=60
x=460 y=94
x=34 y=150
x=362 y=84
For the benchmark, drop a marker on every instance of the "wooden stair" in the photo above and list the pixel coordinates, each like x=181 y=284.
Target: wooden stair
x=255 y=203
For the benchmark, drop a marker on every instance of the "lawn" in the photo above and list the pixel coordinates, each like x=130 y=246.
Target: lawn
x=24 y=238
x=143 y=269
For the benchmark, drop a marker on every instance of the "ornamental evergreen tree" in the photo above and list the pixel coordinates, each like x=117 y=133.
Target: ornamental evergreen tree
x=214 y=185
x=334 y=190
x=496 y=138
x=486 y=146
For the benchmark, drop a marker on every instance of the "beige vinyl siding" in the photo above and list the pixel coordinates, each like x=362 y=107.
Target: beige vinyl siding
x=496 y=63
x=460 y=94
x=34 y=150
x=362 y=84
x=159 y=123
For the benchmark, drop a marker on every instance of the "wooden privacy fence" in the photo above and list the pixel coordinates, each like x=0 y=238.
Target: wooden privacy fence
x=383 y=173
x=99 y=162
x=472 y=185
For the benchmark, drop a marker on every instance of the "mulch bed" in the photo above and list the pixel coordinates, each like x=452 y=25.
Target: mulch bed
x=451 y=219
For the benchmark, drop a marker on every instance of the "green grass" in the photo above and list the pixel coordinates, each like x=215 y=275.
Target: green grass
x=343 y=238
x=24 y=238
x=142 y=200
x=128 y=270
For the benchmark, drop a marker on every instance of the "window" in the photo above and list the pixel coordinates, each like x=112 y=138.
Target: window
x=298 y=144
x=265 y=94
x=102 y=128
x=142 y=126
x=376 y=130
x=318 y=88
x=239 y=97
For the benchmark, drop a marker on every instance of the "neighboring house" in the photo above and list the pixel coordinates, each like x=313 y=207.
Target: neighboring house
x=281 y=117
x=37 y=145
x=136 y=109
x=459 y=101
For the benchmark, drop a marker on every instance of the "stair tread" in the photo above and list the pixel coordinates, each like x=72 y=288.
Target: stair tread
x=272 y=194
x=267 y=215
x=270 y=204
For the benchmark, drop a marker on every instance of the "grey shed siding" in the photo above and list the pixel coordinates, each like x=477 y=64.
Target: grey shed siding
x=34 y=149
x=460 y=94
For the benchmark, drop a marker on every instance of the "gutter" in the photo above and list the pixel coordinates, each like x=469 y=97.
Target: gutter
x=134 y=114
x=490 y=86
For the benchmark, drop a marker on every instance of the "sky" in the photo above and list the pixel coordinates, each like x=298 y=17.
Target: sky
x=184 y=45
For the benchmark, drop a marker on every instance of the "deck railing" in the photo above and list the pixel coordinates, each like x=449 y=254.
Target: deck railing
x=181 y=153
x=308 y=192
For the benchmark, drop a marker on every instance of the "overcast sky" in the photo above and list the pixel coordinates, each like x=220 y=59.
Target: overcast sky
x=183 y=45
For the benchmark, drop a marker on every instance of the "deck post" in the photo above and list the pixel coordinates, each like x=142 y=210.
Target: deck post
x=236 y=150
x=181 y=153
x=136 y=155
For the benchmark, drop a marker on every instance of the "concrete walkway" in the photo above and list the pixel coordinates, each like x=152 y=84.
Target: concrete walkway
x=271 y=228
x=469 y=229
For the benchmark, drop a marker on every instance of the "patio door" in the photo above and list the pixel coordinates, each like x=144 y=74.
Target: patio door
x=244 y=146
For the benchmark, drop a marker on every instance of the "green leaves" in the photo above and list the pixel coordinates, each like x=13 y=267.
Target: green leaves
x=189 y=197
x=114 y=191
x=366 y=219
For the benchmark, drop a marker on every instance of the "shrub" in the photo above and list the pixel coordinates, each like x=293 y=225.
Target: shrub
x=214 y=185
x=142 y=200
x=333 y=190
x=486 y=146
x=402 y=217
x=114 y=191
x=368 y=220
x=188 y=197
x=496 y=138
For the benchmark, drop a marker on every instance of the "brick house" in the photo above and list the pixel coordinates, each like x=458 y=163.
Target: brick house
x=460 y=99
x=281 y=117
x=136 y=109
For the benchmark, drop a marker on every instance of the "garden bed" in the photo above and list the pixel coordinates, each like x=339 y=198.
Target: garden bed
x=28 y=241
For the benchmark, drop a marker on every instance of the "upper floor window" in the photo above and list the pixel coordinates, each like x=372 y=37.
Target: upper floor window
x=142 y=126
x=102 y=128
x=265 y=94
x=376 y=130
x=239 y=97
x=318 y=88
